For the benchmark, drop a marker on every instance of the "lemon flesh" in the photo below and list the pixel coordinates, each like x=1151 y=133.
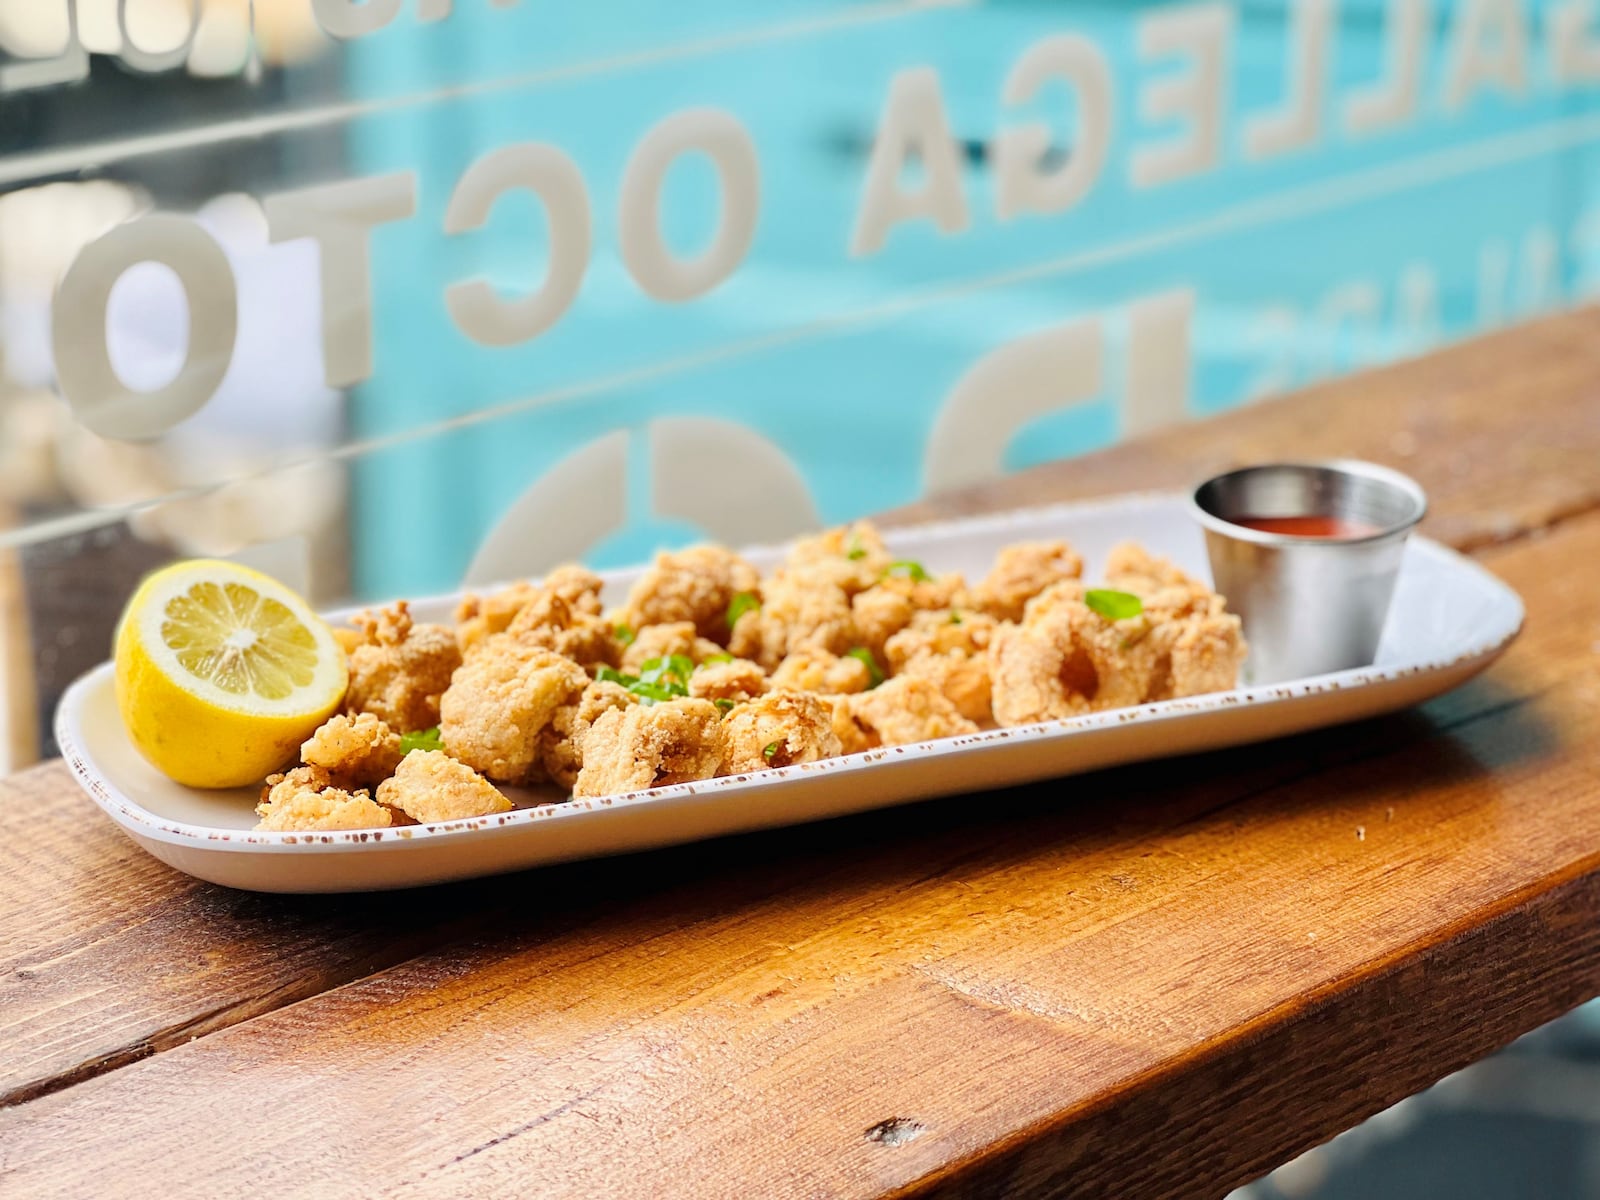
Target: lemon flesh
x=221 y=673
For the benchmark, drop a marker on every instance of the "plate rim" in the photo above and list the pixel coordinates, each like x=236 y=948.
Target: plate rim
x=129 y=813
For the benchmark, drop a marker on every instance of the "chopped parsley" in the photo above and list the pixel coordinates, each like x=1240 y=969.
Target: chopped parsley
x=1113 y=606
x=769 y=752
x=906 y=569
x=421 y=739
x=624 y=634
x=742 y=603
x=874 y=671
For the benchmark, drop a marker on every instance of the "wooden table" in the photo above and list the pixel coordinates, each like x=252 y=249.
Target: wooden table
x=1158 y=981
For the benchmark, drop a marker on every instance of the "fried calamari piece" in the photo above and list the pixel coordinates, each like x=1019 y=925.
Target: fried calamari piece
x=561 y=742
x=401 y=668
x=949 y=648
x=478 y=617
x=361 y=748
x=851 y=556
x=889 y=606
x=651 y=745
x=1068 y=659
x=663 y=641
x=908 y=709
x=737 y=679
x=799 y=609
x=854 y=737
x=306 y=799
x=813 y=669
x=549 y=621
x=1159 y=584
x=1067 y=593
x=1020 y=573
x=779 y=729
x=429 y=785
x=500 y=701
x=694 y=585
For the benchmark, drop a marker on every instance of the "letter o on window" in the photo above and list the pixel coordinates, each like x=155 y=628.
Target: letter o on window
x=654 y=267
x=88 y=380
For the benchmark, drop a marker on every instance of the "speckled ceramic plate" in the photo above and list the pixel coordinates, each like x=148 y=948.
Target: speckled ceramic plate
x=1450 y=619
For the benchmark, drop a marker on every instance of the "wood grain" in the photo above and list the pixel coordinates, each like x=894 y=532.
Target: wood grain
x=1151 y=982
x=1502 y=431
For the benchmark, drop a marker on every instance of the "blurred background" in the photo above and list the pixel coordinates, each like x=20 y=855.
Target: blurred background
x=1380 y=177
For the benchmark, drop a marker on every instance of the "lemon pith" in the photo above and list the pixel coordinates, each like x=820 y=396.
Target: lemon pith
x=221 y=672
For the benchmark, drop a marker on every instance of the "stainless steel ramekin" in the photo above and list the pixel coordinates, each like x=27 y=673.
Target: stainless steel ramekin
x=1310 y=605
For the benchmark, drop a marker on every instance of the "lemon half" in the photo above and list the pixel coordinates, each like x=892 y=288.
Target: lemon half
x=222 y=672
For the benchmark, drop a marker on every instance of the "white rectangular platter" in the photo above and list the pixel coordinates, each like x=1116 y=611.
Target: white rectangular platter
x=1449 y=620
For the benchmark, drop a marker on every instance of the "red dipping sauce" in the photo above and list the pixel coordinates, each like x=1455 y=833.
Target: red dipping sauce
x=1309 y=526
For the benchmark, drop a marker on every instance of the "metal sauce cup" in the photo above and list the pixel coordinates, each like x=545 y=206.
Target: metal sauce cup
x=1310 y=604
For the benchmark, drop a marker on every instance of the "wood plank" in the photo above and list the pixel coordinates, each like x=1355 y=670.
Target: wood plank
x=76 y=951
x=1502 y=431
x=1123 y=984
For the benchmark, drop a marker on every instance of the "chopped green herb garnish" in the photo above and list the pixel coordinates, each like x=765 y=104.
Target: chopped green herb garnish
x=624 y=634
x=724 y=705
x=421 y=739
x=663 y=678
x=612 y=675
x=906 y=569
x=1113 y=606
x=857 y=551
x=874 y=671
x=655 y=693
x=769 y=752
x=713 y=659
x=742 y=603
x=955 y=617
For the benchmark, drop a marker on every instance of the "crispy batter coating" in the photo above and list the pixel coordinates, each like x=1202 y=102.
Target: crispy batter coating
x=694 y=585
x=950 y=649
x=1068 y=659
x=813 y=669
x=361 y=748
x=429 y=785
x=651 y=745
x=561 y=742
x=400 y=669
x=854 y=737
x=1064 y=594
x=890 y=605
x=908 y=709
x=549 y=621
x=478 y=617
x=305 y=799
x=737 y=680
x=799 y=609
x=779 y=729
x=850 y=556
x=500 y=701
x=1157 y=582
x=662 y=641
x=1020 y=573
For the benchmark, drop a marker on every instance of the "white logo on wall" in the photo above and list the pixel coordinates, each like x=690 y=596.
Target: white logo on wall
x=696 y=465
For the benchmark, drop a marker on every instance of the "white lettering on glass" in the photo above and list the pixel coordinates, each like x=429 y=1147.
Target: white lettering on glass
x=552 y=176
x=1022 y=184
x=654 y=267
x=1574 y=52
x=155 y=61
x=354 y=18
x=1197 y=98
x=1003 y=391
x=88 y=380
x=1392 y=100
x=913 y=124
x=1156 y=393
x=71 y=65
x=1305 y=79
x=1488 y=49
x=340 y=216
